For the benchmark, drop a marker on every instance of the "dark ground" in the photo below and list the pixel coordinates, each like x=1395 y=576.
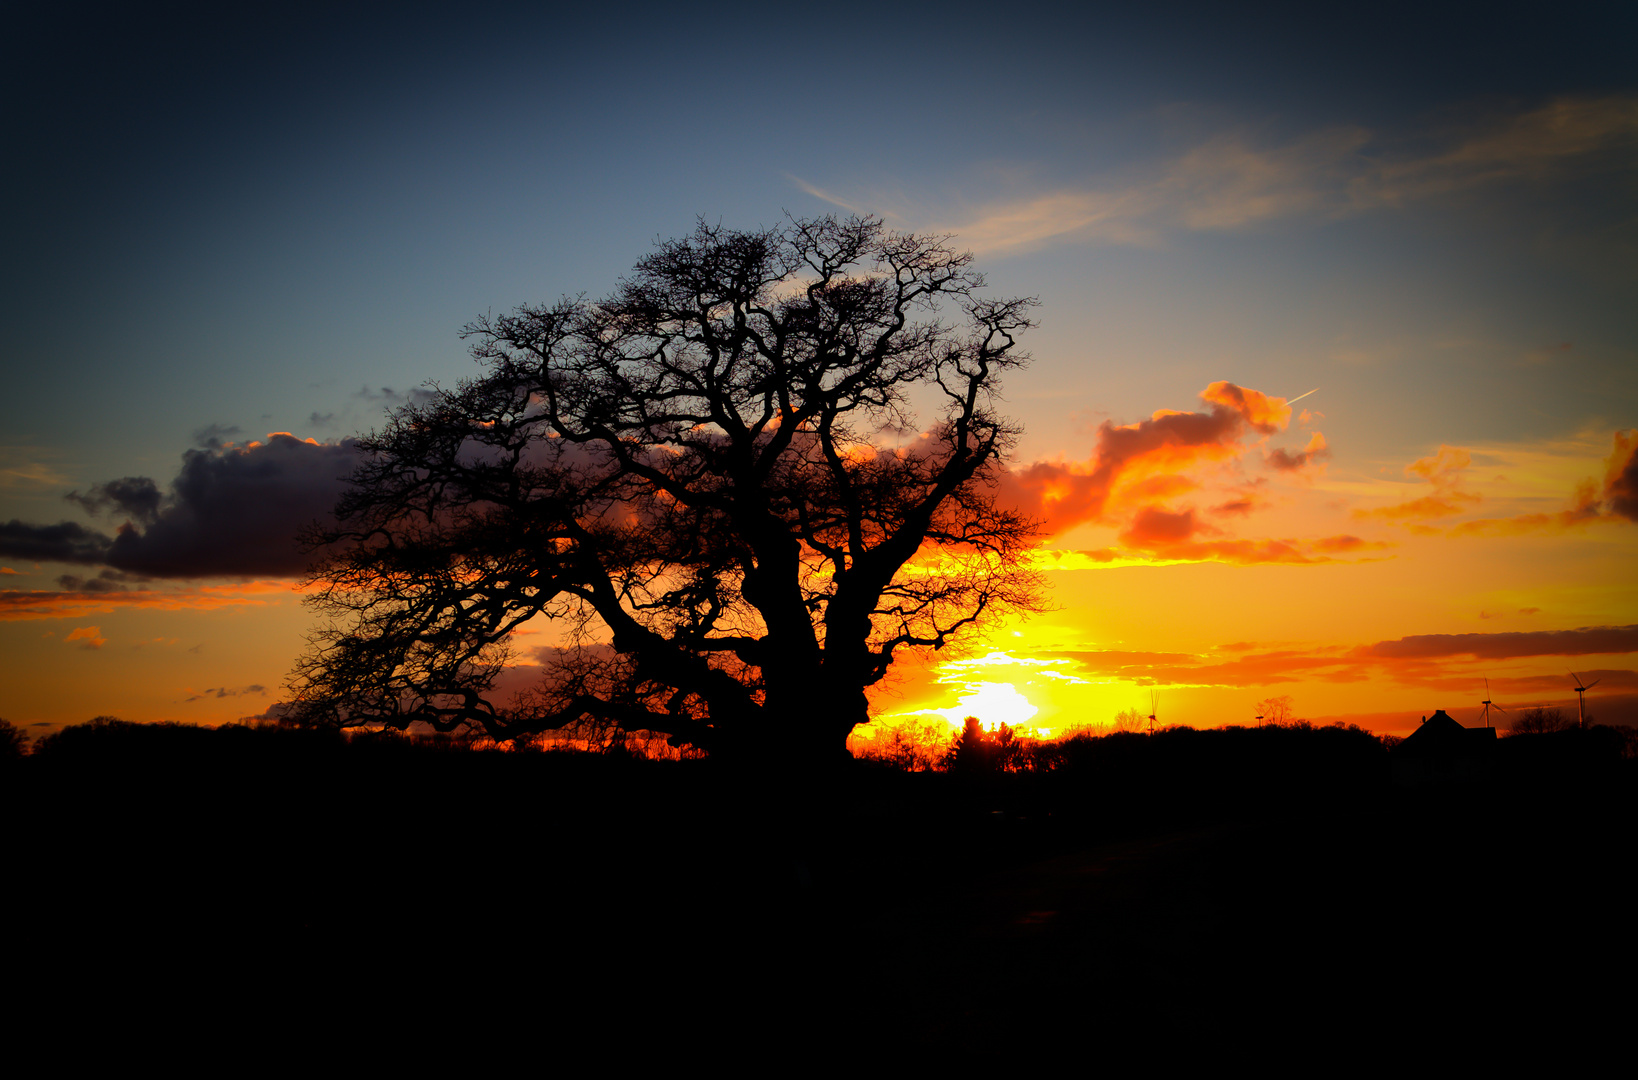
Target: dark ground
x=1150 y=899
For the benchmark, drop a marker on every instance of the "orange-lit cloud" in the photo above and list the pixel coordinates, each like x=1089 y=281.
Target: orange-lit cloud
x=1138 y=472
x=90 y=637
x=1134 y=465
x=42 y=604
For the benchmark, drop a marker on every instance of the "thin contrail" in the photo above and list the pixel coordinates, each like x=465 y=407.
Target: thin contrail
x=1299 y=397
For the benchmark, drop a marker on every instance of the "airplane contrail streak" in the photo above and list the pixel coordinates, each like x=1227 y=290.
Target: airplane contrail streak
x=1299 y=397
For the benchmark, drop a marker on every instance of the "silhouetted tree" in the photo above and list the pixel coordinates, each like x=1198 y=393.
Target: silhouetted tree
x=1011 y=753
x=711 y=480
x=13 y=741
x=972 y=751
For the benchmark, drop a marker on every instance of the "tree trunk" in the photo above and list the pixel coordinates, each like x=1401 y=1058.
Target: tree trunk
x=806 y=726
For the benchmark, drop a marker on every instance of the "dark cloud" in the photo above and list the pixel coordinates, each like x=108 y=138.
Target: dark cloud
x=1243 y=506
x=65 y=542
x=1153 y=527
x=1608 y=678
x=230 y=512
x=237 y=512
x=216 y=436
x=227 y=692
x=1621 y=477
x=419 y=395
x=135 y=496
x=1296 y=461
x=107 y=581
x=1587 y=640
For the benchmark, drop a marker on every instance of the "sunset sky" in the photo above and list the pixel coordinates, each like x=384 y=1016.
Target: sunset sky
x=222 y=228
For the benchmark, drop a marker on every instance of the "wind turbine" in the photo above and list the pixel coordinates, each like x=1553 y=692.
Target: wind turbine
x=1581 y=696
x=1488 y=704
x=1154 y=707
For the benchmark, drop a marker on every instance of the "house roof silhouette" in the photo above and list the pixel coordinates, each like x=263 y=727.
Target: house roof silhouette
x=1441 y=736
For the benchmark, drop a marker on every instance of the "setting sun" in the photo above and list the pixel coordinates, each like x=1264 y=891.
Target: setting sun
x=994 y=704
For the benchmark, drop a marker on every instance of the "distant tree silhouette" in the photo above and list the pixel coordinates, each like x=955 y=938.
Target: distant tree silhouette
x=710 y=480
x=1540 y=721
x=1131 y=721
x=1276 y=710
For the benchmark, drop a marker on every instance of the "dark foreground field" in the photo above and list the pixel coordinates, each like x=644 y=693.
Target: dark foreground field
x=1194 y=893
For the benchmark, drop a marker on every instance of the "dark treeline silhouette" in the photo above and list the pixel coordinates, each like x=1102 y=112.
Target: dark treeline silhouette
x=1184 y=883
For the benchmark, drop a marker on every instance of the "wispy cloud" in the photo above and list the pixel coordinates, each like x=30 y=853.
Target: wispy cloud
x=21 y=467
x=1234 y=180
x=1613 y=499
x=824 y=196
x=1445 y=471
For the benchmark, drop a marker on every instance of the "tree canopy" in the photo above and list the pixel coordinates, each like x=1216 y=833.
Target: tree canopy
x=714 y=483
